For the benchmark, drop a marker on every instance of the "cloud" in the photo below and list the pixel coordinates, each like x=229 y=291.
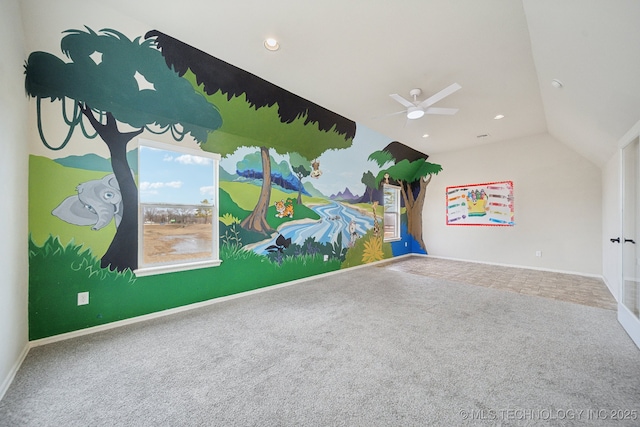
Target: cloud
x=150 y=186
x=187 y=159
x=208 y=191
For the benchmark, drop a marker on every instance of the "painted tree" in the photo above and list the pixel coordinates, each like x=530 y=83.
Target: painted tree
x=115 y=82
x=410 y=169
x=257 y=114
x=370 y=183
x=300 y=167
x=251 y=167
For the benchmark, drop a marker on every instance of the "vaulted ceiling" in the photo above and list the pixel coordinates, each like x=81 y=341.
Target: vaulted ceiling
x=350 y=55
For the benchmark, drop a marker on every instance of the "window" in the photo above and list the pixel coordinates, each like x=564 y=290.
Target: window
x=391 y=213
x=178 y=208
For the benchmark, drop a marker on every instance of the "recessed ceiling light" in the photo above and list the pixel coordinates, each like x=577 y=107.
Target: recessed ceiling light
x=556 y=83
x=498 y=117
x=271 y=44
x=426 y=135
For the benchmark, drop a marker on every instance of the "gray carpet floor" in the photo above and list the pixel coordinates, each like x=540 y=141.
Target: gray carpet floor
x=366 y=347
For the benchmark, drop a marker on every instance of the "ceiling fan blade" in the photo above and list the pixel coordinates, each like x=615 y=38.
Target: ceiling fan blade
x=390 y=114
x=437 y=110
x=440 y=95
x=402 y=101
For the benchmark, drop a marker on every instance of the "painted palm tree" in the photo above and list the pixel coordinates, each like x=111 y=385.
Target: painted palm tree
x=113 y=81
x=410 y=169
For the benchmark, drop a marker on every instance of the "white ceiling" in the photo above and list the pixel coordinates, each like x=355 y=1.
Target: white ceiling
x=349 y=55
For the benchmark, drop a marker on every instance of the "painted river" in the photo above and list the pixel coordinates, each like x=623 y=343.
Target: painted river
x=334 y=219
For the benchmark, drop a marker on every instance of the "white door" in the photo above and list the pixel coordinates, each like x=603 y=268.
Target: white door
x=629 y=302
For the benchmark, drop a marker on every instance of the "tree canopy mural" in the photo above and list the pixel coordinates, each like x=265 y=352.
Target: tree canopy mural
x=300 y=167
x=370 y=183
x=260 y=114
x=410 y=169
x=111 y=81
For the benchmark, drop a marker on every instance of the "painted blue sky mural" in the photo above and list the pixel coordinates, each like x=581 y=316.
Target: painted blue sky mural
x=340 y=168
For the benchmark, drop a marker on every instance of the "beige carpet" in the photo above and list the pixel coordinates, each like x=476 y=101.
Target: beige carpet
x=365 y=347
x=573 y=288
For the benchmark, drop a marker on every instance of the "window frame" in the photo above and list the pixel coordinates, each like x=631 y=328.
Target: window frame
x=176 y=266
x=397 y=212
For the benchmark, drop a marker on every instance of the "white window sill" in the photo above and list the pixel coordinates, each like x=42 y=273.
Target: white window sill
x=173 y=268
x=392 y=239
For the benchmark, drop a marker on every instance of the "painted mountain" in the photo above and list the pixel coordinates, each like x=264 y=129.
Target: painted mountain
x=226 y=176
x=94 y=162
x=312 y=191
x=345 y=196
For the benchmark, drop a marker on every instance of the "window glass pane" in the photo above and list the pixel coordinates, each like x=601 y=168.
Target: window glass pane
x=176 y=234
x=389 y=225
x=390 y=199
x=178 y=192
x=391 y=213
x=174 y=177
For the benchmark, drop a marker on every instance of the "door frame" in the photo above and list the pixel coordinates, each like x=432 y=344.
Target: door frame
x=629 y=321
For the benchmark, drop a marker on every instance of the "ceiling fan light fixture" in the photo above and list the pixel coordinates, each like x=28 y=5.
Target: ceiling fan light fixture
x=414 y=113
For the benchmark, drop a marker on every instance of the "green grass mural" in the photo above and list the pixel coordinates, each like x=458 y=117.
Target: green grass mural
x=65 y=260
x=58 y=272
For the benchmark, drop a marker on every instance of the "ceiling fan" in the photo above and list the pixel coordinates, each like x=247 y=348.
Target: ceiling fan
x=416 y=109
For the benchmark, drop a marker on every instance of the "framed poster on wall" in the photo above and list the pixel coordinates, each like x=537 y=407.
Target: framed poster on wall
x=487 y=204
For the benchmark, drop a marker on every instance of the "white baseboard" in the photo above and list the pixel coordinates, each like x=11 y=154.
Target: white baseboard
x=168 y=312
x=14 y=370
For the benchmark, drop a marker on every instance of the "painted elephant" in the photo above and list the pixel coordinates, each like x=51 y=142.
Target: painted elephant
x=97 y=203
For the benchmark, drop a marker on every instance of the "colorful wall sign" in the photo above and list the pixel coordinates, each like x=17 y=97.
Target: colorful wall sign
x=487 y=204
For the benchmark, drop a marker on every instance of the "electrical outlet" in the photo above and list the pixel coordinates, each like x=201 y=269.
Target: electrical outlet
x=83 y=298
x=406 y=244
x=326 y=258
x=538 y=253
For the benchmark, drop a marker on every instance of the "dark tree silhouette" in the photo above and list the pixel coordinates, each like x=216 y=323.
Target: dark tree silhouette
x=410 y=169
x=112 y=80
x=300 y=167
x=370 y=183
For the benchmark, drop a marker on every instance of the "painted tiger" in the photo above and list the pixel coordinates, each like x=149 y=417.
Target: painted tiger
x=284 y=209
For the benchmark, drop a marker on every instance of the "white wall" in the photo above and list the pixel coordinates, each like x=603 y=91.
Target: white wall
x=14 y=173
x=557 y=195
x=611 y=252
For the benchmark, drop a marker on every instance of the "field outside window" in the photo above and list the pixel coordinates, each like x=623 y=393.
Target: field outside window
x=178 y=213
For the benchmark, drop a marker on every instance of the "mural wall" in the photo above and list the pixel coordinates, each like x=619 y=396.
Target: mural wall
x=299 y=188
